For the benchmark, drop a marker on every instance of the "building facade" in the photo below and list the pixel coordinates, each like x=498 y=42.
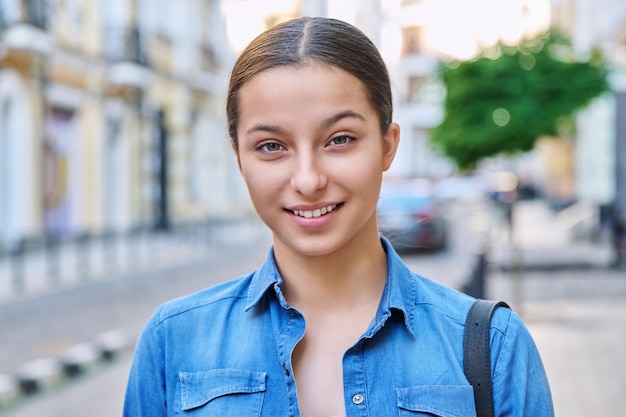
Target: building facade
x=111 y=117
x=600 y=142
x=111 y=111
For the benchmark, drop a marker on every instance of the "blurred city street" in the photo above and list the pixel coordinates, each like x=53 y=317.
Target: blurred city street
x=575 y=308
x=120 y=190
x=49 y=324
x=577 y=314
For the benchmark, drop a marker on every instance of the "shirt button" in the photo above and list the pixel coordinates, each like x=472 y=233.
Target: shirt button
x=358 y=399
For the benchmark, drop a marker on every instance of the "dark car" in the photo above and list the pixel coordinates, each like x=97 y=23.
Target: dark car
x=410 y=217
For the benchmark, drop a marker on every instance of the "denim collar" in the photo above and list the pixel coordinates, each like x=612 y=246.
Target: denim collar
x=262 y=279
x=399 y=294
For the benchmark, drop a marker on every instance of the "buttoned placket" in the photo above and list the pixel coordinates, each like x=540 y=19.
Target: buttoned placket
x=354 y=376
x=289 y=329
x=354 y=382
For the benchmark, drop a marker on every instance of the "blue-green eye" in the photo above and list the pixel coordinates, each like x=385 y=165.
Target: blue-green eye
x=270 y=147
x=341 y=140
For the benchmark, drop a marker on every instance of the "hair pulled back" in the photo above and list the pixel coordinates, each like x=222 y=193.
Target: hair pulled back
x=324 y=40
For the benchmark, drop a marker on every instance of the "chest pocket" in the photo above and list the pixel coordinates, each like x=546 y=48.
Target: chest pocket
x=436 y=400
x=222 y=393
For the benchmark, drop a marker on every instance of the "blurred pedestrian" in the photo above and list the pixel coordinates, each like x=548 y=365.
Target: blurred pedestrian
x=333 y=323
x=618 y=236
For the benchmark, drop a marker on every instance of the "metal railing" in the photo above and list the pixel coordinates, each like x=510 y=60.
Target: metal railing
x=123 y=44
x=43 y=263
x=37 y=12
x=32 y=12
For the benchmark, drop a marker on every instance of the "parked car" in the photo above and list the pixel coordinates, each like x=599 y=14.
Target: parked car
x=409 y=215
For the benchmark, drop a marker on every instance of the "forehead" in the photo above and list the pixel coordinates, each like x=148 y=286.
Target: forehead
x=302 y=75
x=302 y=90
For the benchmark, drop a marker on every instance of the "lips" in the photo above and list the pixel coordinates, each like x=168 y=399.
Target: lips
x=318 y=212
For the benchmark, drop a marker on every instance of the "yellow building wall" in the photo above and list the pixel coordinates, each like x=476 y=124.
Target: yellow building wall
x=559 y=161
x=91 y=133
x=77 y=26
x=37 y=109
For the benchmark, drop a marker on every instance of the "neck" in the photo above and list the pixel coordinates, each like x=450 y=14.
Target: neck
x=354 y=275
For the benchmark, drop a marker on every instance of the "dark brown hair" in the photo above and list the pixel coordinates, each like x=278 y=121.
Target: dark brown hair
x=319 y=39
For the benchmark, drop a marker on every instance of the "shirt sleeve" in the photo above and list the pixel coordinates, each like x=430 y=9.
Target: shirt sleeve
x=520 y=384
x=145 y=392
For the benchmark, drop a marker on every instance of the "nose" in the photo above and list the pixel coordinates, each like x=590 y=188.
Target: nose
x=308 y=177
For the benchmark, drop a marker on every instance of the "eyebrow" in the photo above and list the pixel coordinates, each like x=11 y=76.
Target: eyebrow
x=342 y=115
x=267 y=128
x=325 y=123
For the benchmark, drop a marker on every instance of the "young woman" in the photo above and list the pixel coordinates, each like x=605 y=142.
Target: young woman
x=333 y=323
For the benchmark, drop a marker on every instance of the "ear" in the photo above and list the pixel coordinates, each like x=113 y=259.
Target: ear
x=391 y=139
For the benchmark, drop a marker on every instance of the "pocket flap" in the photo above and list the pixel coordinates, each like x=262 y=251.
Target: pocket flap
x=198 y=388
x=440 y=400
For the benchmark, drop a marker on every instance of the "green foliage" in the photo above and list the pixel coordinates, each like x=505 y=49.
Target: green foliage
x=509 y=97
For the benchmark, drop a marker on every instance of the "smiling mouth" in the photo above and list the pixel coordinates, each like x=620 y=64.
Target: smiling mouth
x=308 y=214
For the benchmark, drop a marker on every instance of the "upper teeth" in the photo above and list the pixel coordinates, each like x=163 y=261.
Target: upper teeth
x=315 y=213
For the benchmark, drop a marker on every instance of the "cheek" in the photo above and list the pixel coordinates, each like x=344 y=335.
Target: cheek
x=364 y=171
x=261 y=183
x=368 y=180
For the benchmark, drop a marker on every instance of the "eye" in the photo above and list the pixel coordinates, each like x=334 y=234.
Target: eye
x=270 y=147
x=341 y=140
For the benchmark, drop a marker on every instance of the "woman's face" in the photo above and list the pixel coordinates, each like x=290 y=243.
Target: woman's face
x=312 y=155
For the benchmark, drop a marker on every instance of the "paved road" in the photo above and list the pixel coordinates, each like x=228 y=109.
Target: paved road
x=100 y=394
x=583 y=343
x=578 y=320
x=47 y=325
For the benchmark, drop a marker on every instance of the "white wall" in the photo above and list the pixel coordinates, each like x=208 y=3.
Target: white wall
x=17 y=173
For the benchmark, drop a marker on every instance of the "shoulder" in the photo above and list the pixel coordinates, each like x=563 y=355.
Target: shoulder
x=442 y=300
x=421 y=298
x=229 y=292
x=437 y=302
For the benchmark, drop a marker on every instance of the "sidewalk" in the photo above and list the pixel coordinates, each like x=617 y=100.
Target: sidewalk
x=574 y=306
x=42 y=269
x=582 y=343
x=543 y=240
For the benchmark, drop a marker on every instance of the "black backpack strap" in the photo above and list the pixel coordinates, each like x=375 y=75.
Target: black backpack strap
x=476 y=354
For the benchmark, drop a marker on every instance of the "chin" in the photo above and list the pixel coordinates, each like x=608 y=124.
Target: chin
x=312 y=246
x=312 y=250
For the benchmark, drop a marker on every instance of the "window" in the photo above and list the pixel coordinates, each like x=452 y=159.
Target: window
x=427 y=89
x=412 y=40
x=414 y=88
x=68 y=22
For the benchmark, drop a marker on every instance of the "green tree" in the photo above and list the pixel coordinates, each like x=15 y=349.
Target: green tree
x=509 y=97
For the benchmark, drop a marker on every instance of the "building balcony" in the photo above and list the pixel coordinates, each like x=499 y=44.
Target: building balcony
x=125 y=45
x=31 y=12
x=23 y=28
x=124 y=49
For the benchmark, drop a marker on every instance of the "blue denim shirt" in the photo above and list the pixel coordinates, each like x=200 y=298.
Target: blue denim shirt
x=226 y=351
